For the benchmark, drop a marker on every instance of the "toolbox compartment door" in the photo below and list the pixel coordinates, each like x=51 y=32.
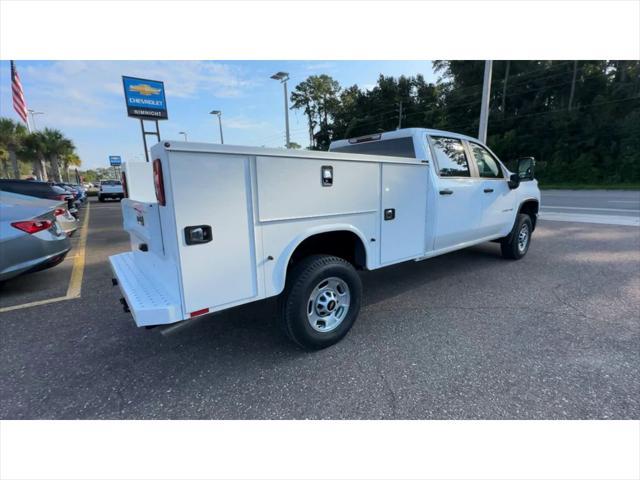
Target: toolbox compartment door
x=142 y=221
x=214 y=191
x=403 y=211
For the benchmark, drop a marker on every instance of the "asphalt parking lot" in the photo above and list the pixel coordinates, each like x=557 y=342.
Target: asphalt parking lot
x=464 y=336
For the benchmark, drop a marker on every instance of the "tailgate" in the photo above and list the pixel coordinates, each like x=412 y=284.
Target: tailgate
x=142 y=221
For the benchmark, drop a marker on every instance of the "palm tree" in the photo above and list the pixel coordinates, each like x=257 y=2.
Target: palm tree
x=33 y=150
x=68 y=160
x=55 y=146
x=11 y=137
x=4 y=160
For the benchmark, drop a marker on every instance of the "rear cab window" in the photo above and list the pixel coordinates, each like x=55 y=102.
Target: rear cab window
x=393 y=147
x=111 y=182
x=450 y=156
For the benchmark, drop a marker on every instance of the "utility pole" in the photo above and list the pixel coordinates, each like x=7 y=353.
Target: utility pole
x=573 y=83
x=484 y=106
x=400 y=116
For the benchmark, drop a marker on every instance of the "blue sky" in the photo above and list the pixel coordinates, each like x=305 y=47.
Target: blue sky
x=84 y=99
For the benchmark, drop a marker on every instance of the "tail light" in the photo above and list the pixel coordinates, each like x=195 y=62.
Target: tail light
x=33 y=226
x=59 y=211
x=158 y=182
x=124 y=185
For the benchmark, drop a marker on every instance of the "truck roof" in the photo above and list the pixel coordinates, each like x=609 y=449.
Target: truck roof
x=181 y=146
x=402 y=133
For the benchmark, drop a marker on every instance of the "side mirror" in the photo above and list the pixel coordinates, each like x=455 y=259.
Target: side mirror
x=514 y=181
x=525 y=168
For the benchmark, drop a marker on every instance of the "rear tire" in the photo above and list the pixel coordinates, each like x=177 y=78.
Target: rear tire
x=516 y=244
x=321 y=301
x=100 y=198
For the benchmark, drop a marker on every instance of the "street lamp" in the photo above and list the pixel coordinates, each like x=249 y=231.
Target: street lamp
x=33 y=113
x=185 y=135
x=219 y=114
x=283 y=77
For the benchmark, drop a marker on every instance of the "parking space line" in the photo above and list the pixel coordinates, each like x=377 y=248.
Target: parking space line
x=75 y=283
x=33 y=304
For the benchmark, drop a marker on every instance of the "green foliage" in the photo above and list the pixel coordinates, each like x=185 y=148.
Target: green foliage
x=591 y=136
x=32 y=150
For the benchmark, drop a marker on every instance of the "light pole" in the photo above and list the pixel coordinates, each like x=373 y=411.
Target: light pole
x=33 y=113
x=219 y=114
x=185 y=135
x=283 y=77
x=484 y=105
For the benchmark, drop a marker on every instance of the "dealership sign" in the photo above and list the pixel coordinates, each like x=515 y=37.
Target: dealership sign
x=115 y=160
x=145 y=98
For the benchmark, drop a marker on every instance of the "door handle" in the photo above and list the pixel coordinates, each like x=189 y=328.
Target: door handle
x=446 y=192
x=488 y=190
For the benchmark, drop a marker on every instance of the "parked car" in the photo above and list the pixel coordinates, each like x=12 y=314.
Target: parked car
x=79 y=189
x=67 y=221
x=110 y=189
x=38 y=189
x=30 y=237
x=232 y=225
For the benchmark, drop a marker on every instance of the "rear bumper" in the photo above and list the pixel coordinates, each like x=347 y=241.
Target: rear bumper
x=146 y=298
x=47 y=261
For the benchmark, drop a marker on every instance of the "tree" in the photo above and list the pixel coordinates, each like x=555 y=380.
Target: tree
x=318 y=97
x=70 y=159
x=11 y=136
x=55 y=146
x=301 y=98
x=33 y=150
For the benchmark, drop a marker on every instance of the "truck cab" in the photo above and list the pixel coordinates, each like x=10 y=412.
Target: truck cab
x=471 y=194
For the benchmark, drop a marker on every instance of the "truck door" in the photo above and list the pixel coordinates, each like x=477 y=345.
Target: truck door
x=497 y=198
x=458 y=194
x=404 y=203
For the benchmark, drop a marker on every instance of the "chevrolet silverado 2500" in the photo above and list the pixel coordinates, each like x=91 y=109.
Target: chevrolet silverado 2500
x=216 y=226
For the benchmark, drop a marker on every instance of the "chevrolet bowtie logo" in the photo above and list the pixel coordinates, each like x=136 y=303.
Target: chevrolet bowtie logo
x=144 y=89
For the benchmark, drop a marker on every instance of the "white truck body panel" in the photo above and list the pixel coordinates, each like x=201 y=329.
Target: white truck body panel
x=261 y=204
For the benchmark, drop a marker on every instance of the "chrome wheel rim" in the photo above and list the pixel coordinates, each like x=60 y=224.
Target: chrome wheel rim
x=328 y=304
x=523 y=238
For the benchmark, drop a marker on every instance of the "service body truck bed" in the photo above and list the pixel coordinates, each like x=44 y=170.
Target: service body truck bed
x=229 y=225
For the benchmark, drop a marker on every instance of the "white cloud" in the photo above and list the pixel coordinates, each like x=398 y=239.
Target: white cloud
x=321 y=66
x=243 y=123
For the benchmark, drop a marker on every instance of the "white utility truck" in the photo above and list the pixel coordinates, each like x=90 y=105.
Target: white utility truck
x=216 y=226
x=110 y=189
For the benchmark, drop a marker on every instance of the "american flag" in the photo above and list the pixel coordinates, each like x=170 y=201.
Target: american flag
x=19 y=104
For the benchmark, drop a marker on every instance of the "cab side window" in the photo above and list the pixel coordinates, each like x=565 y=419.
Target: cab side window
x=450 y=157
x=488 y=167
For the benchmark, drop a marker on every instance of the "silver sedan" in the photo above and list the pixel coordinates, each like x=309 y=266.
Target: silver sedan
x=30 y=237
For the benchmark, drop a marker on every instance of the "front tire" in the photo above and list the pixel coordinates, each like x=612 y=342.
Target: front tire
x=321 y=301
x=516 y=244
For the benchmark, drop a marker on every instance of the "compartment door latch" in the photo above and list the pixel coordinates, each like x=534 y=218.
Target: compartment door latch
x=197 y=234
